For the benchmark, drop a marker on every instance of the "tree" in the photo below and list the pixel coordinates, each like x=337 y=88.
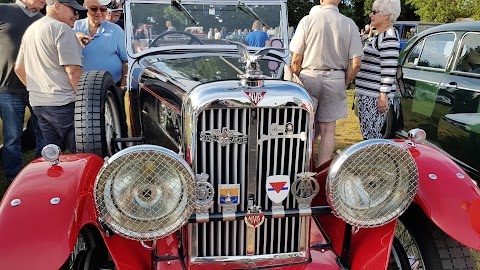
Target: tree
x=439 y=11
x=297 y=9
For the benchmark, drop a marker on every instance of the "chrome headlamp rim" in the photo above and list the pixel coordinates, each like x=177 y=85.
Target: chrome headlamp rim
x=361 y=217
x=185 y=197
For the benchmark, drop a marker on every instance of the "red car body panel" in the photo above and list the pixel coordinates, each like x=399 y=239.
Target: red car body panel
x=449 y=200
x=37 y=233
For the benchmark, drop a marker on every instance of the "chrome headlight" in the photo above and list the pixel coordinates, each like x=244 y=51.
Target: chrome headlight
x=372 y=183
x=145 y=192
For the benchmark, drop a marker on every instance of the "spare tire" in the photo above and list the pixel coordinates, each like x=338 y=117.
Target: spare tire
x=99 y=115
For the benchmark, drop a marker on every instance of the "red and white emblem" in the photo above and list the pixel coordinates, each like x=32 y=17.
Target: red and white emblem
x=254 y=220
x=278 y=187
x=255 y=96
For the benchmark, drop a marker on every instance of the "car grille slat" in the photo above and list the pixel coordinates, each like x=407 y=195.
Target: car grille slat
x=229 y=164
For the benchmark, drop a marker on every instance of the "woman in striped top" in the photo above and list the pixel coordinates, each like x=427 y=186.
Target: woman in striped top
x=375 y=83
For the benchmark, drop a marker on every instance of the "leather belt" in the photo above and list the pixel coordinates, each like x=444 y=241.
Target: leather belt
x=324 y=69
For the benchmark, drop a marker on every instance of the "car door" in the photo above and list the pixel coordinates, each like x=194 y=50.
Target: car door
x=459 y=126
x=422 y=72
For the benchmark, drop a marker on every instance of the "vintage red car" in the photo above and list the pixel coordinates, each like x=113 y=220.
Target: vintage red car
x=217 y=171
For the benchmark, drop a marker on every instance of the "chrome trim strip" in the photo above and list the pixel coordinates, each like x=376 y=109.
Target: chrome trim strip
x=291 y=257
x=269 y=214
x=204 y=217
x=228 y=216
x=278 y=213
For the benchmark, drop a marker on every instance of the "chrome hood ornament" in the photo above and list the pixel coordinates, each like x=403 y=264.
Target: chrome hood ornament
x=253 y=76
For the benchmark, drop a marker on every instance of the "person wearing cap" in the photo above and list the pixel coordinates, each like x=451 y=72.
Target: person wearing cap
x=49 y=63
x=114 y=14
x=106 y=49
x=14 y=20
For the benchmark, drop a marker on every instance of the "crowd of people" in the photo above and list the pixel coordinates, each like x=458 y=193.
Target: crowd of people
x=44 y=57
x=328 y=56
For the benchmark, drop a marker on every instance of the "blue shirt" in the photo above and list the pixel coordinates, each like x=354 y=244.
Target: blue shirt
x=106 y=51
x=257 y=38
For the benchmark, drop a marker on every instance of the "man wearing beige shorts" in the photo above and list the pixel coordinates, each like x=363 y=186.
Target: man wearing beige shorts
x=327 y=52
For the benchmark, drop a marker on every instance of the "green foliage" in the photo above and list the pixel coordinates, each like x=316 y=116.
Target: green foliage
x=7 y=1
x=354 y=9
x=297 y=9
x=446 y=12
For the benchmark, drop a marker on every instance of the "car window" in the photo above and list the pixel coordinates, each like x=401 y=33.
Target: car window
x=412 y=59
x=469 y=58
x=434 y=53
x=408 y=31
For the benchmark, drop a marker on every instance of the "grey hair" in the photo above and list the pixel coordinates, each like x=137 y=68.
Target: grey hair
x=391 y=7
x=50 y=2
x=257 y=25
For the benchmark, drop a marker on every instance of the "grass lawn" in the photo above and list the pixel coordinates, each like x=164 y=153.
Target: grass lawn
x=347 y=133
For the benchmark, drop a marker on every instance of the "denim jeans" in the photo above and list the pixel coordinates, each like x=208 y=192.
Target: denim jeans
x=12 y=112
x=57 y=125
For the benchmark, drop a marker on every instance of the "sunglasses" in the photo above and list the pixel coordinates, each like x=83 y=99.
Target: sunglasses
x=95 y=9
x=75 y=12
x=374 y=12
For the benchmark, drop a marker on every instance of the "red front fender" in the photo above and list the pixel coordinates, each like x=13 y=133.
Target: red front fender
x=36 y=233
x=448 y=195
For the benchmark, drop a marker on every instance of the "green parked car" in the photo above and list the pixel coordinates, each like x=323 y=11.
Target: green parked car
x=439 y=88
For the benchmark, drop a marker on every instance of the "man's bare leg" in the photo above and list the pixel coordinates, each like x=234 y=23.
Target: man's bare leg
x=327 y=141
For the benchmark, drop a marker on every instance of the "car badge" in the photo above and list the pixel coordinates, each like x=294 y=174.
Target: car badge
x=276 y=129
x=305 y=188
x=228 y=194
x=254 y=220
x=278 y=187
x=223 y=137
x=204 y=193
x=255 y=96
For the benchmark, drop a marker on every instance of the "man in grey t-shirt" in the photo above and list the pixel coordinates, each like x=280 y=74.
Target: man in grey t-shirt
x=327 y=54
x=49 y=63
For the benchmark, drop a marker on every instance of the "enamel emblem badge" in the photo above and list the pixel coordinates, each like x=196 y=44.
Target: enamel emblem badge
x=278 y=187
x=229 y=194
x=253 y=220
x=255 y=96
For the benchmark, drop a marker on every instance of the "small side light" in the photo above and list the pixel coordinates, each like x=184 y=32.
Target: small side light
x=51 y=153
x=417 y=135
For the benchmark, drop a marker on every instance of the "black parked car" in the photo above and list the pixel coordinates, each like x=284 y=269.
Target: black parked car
x=439 y=82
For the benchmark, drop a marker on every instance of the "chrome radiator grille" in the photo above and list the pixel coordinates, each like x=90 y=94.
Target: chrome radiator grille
x=229 y=165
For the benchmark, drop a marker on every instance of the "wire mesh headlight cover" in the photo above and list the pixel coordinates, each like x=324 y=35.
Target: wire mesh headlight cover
x=371 y=183
x=145 y=192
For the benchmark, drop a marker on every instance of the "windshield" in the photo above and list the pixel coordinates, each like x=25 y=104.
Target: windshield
x=154 y=24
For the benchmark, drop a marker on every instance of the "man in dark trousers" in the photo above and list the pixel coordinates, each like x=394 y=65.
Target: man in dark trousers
x=49 y=63
x=14 y=20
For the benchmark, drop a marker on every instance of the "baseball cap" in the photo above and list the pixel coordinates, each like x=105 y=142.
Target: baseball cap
x=114 y=6
x=74 y=4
